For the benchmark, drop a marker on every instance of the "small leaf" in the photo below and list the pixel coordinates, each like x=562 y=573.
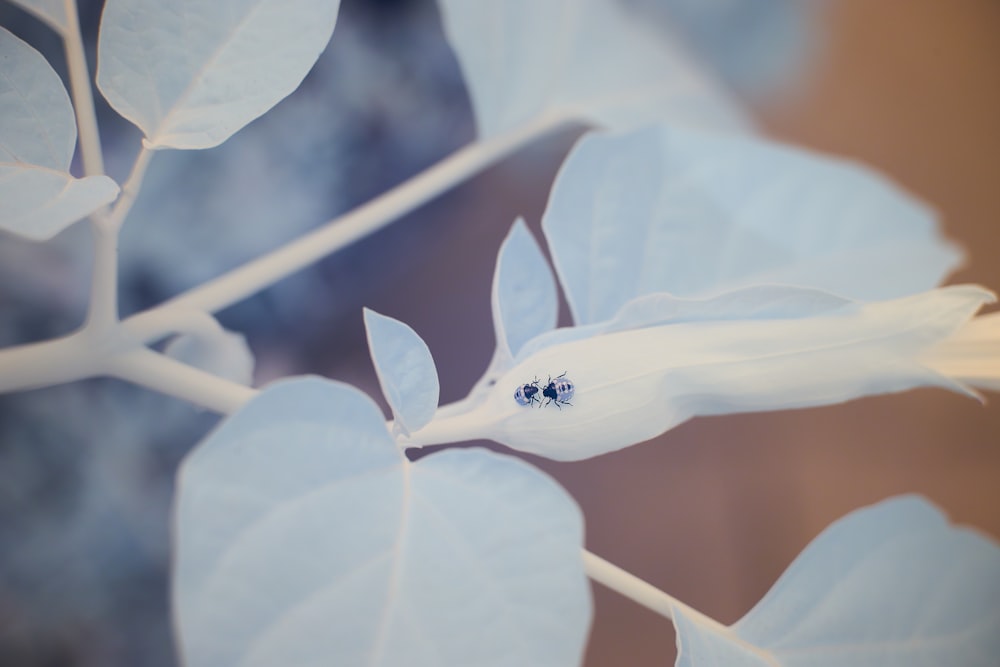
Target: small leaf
x=582 y=59
x=190 y=74
x=38 y=195
x=405 y=369
x=53 y=12
x=633 y=385
x=668 y=210
x=215 y=350
x=305 y=537
x=524 y=292
x=891 y=584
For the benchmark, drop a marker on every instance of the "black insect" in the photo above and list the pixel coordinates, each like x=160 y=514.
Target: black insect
x=558 y=391
x=527 y=394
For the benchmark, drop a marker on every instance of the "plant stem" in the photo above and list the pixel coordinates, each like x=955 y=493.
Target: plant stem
x=165 y=375
x=83 y=99
x=642 y=592
x=103 y=312
x=262 y=272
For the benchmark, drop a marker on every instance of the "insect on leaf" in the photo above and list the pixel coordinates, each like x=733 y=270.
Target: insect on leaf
x=190 y=74
x=38 y=195
x=305 y=537
x=891 y=584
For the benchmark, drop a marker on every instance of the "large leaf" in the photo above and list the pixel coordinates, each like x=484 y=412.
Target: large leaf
x=635 y=384
x=52 y=12
x=38 y=196
x=668 y=210
x=580 y=59
x=405 y=368
x=891 y=584
x=305 y=537
x=190 y=74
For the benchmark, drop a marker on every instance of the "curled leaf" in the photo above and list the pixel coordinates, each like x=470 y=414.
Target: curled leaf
x=635 y=384
x=215 y=350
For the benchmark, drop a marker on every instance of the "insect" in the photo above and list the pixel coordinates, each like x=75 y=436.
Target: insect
x=527 y=394
x=559 y=391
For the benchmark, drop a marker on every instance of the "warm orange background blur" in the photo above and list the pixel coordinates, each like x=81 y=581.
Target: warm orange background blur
x=713 y=511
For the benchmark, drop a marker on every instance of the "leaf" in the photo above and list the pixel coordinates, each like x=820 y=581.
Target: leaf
x=215 y=350
x=405 y=369
x=305 y=537
x=582 y=59
x=668 y=210
x=633 y=385
x=891 y=584
x=191 y=74
x=53 y=12
x=38 y=196
x=524 y=299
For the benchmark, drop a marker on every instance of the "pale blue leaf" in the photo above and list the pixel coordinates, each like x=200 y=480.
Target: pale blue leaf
x=53 y=12
x=585 y=60
x=757 y=302
x=633 y=385
x=216 y=351
x=891 y=584
x=190 y=74
x=524 y=298
x=405 y=369
x=305 y=537
x=668 y=210
x=38 y=196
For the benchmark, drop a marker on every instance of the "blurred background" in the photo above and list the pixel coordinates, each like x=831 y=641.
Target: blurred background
x=711 y=512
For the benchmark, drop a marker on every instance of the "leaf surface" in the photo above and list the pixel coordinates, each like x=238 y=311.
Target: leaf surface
x=190 y=74
x=405 y=369
x=586 y=60
x=669 y=210
x=891 y=584
x=524 y=299
x=635 y=384
x=305 y=537
x=38 y=195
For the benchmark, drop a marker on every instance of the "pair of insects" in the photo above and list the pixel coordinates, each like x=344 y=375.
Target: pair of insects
x=557 y=391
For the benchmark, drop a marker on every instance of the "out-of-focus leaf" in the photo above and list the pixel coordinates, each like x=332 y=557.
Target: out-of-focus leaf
x=215 y=350
x=405 y=369
x=524 y=292
x=305 y=537
x=38 y=196
x=582 y=59
x=190 y=74
x=53 y=12
x=633 y=385
x=891 y=584
x=668 y=210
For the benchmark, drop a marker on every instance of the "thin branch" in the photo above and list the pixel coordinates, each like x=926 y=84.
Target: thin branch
x=642 y=592
x=264 y=271
x=167 y=376
x=83 y=98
